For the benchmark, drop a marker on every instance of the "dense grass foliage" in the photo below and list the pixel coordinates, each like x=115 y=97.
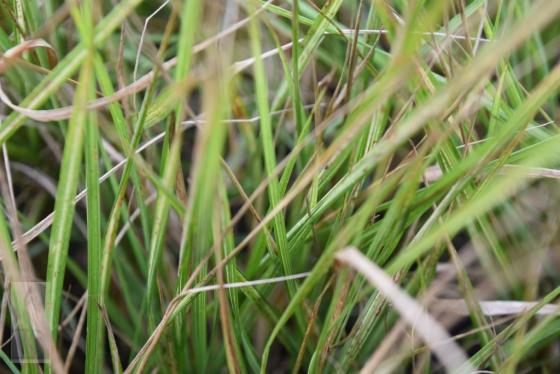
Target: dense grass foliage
x=250 y=186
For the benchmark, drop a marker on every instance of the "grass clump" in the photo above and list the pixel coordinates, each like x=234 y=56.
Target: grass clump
x=279 y=186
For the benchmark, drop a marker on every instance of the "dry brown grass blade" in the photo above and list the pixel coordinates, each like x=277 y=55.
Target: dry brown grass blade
x=75 y=340
x=495 y=307
x=433 y=173
x=12 y=55
x=450 y=354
